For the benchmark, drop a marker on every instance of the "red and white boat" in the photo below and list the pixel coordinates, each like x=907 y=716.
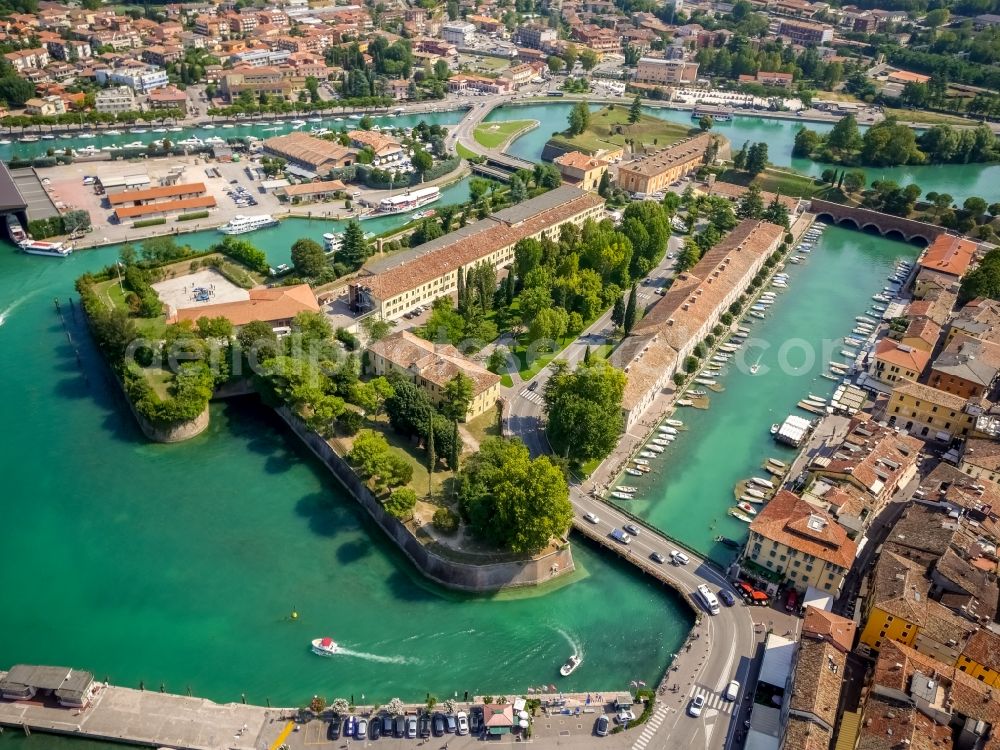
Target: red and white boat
x=56 y=249
x=325 y=646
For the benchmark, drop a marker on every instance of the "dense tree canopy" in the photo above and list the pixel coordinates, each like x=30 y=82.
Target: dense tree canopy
x=584 y=410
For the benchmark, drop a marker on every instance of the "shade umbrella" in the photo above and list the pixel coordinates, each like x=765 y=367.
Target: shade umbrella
x=522 y=714
x=523 y=723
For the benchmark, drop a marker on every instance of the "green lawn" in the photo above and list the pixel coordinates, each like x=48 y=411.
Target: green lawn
x=484 y=426
x=160 y=379
x=929 y=118
x=609 y=127
x=414 y=456
x=495 y=134
x=112 y=294
x=781 y=181
x=464 y=152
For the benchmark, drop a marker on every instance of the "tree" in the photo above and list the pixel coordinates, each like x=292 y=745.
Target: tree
x=751 y=205
x=308 y=258
x=631 y=311
x=584 y=411
x=579 y=118
x=854 y=182
x=512 y=501
x=757 y=158
x=845 y=137
x=705 y=123
x=635 y=111
x=555 y=63
x=806 y=143
x=400 y=503
x=776 y=213
x=458 y=393
x=408 y=408
x=618 y=312
x=518 y=192
x=258 y=339
x=549 y=323
x=422 y=161
x=588 y=58
x=740 y=157
x=214 y=328
x=890 y=143
x=975 y=205
x=354 y=249
x=982 y=281
x=371 y=395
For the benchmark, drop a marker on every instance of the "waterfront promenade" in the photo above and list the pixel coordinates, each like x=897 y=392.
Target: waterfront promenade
x=143 y=717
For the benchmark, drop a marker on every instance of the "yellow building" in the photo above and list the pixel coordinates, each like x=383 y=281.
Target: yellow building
x=581 y=170
x=431 y=367
x=656 y=171
x=802 y=544
x=981 y=657
x=928 y=412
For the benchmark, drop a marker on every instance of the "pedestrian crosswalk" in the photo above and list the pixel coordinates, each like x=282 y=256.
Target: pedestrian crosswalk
x=533 y=396
x=713 y=699
x=649 y=730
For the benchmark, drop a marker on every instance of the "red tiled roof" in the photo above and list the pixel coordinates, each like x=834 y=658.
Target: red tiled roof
x=948 y=254
x=791 y=521
x=268 y=305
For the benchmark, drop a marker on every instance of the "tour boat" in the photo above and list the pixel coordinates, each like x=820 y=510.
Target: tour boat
x=622 y=495
x=325 y=646
x=746 y=508
x=52 y=249
x=633 y=472
x=243 y=224
x=401 y=204
x=627 y=488
x=570 y=666
x=332 y=242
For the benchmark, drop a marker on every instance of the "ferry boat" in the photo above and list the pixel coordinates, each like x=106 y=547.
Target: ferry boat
x=570 y=666
x=332 y=242
x=52 y=249
x=244 y=224
x=325 y=646
x=400 y=204
x=718 y=114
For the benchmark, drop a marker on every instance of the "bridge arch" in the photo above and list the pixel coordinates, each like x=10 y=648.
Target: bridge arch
x=868 y=226
x=844 y=220
x=896 y=234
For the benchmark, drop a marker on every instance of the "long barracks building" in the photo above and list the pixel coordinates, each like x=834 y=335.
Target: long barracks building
x=397 y=284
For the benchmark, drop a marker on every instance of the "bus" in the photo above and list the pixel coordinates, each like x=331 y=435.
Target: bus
x=709 y=599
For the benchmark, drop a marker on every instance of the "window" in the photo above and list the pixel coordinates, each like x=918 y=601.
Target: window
x=774 y=553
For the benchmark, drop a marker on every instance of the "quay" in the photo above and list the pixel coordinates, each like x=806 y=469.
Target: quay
x=150 y=718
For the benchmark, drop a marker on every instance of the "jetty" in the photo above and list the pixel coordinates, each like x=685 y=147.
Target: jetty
x=141 y=717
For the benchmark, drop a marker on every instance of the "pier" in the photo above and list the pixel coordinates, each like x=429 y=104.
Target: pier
x=143 y=717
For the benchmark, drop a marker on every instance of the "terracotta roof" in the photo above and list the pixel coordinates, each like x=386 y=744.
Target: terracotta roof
x=133 y=212
x=310 y=188
x=166 y=191
x=662 y=160
x=819 y=672
x=982 y=453
x=923 y=328
x=871 y=456
x=948 y=254
x=378 y=142
x=902 y=355
x=577 y=160
x=307 y=149
x=802 y=734
x=644 y=359
x=449 y=253
x=819 y=623
x=983 y=647
x=735 y=192
x=931 y=395
x=435 y=363
x=889 y=724
x=268 y=305
x=791 y=521
x=905 y=76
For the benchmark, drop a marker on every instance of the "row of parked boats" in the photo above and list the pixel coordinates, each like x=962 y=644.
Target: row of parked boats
x=665 y=435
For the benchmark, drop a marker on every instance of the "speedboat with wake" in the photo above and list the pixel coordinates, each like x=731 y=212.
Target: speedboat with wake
x=325 y=646
x=570 y=666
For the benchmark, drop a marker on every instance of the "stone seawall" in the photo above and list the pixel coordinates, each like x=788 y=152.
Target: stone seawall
x=449 y=573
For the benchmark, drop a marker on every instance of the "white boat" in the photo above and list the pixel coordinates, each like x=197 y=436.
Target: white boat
x=853 y=341
x=661 y=442
x=848 y=353
x=746 y=508
x=640 y=462
x=314 y=119
x=325 y=646
x=228 y=126
x=667 y=429
x=275 y=129
x=812 y=397
x=4 y=142
x=627 y=488
x=622 y=495
x=754 y=500
x=87 y=135
x=685 y=402
x=705 y=381
x=655 y=448
x=633 y=472
x=209 y=127
x=673 y=423
x=215 y=140
x=51 y=249
x=765 y=483
x=774 y=428
x=399 y=204
x=298 y=123
x=243 y=224
x=570 y=666
x=113 y=132
x=751 y=492
x=176 y=130
x=756 y=314
x=48 y=137
x=776 y=462
x=332 y=242
x=647 y=454
x=194 y=141
x=740 y=515
x=159 y=130
x=138 y=131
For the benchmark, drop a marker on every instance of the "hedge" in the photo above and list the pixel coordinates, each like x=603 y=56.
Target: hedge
x=192 y=216
x=148 y=223
x=42 y=228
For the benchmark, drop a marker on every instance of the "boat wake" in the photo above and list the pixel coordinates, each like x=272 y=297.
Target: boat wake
x=6 y=312
x=575 y=646
x=377 y=657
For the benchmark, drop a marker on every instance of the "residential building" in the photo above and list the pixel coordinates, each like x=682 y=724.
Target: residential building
x=536 y=36
x=459 y=33
x=114 y=100
x=979 y=318
x=69 y=49
x=892 y=361
x=168 y=97
x=690 y=309
x=774 y=79
x=162 y=55
x=800 y=544
x=277 y=306
x=819 y=624
x=28 y=59
x=397 y=284
x=967 y=367
x=581 y=170
x=815 y=695
x=431 y=367
x=260 y=80
x=598 y=38
x=309 y=152
x=140 y=78
x=805 y=32
x=257 y=58
x=652 y=173
x=943 y=263
x=981 y=459
x=519 y=75
x=921 y=333
x=384 y=148
x=47 y=105
x=980 y=658
x=657 y=70
x=486 y=24
x=929 y=412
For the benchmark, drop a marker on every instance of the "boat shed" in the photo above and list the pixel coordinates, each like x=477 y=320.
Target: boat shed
x=793 y=431
x=11 y=200
x=28 y=682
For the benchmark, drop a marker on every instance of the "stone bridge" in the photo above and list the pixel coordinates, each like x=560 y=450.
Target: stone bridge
x=865 y=219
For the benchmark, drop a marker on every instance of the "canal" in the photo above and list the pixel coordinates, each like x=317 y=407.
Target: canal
x=691 y=488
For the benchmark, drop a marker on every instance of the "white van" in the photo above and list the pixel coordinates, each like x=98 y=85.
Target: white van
x=708 y=599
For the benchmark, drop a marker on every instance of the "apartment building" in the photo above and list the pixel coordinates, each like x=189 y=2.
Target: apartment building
x=258 y=58
x=658 y=71
x=581 y=170
x=943 y=264
x=649 y=174
x=69 y=49
x=981 y=459
x=968 y=367
x=28 y=59
x=162 y=54
x=459 y=33
x=519 y=75
x=46 y=105
x=892 y=361
x=261 y=80
x=431 y=367
x=397 y=284
x=115 y=99
x=805 y=32
x=929 y=412
x=536 y=36
x=140 y=78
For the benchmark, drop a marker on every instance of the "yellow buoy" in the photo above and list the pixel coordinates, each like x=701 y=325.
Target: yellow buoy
x=295 y=615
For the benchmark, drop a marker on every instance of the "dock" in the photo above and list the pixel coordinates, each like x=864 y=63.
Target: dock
x=148 y=718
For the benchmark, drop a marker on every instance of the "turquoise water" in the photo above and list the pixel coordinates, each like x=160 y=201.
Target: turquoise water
x=259 y=129
x=960 y=180
x=693 y=483
x=180 y=564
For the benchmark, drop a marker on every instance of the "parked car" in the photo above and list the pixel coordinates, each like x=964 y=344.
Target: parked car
x=601 y=727
x=791 y=600
x=411 y=727
x=679 y=558
x=387 y=725
x=361 y=732
x=732 y=691
x=425 y=725
x=450 y=725
x=333 y=731
x=697 y=703
x=350 y=726
x=462 y=719
x=476 y=719
x=437 y=725
x=375 y=728
x=399 y=726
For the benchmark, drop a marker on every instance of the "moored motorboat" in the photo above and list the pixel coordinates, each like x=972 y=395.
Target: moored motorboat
x=776 y=462
x=633 y=472
x=622 y=495
x=685 y=402
x=746 y=508
x=755 y=493
x=667 y=429
x=674 y=423
x=627 y=488
x=647 y=454
x=765 y=483
x=740 y=515
x=732 y=543
x=750 y=499
x=325 y=646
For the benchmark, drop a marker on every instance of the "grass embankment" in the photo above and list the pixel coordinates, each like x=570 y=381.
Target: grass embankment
x=781 y=181
x=495 y=134
x=921 y=117
x=464 y=152
x=609 y=127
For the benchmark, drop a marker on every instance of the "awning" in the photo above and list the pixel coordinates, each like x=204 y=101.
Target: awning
x=499 y=730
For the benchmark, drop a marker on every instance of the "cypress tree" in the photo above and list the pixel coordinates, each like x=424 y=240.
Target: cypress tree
x=586 y=355
x=453 y=459
x=461 y=288
x=431 y=458
x=618 y=312
x=631 y=311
